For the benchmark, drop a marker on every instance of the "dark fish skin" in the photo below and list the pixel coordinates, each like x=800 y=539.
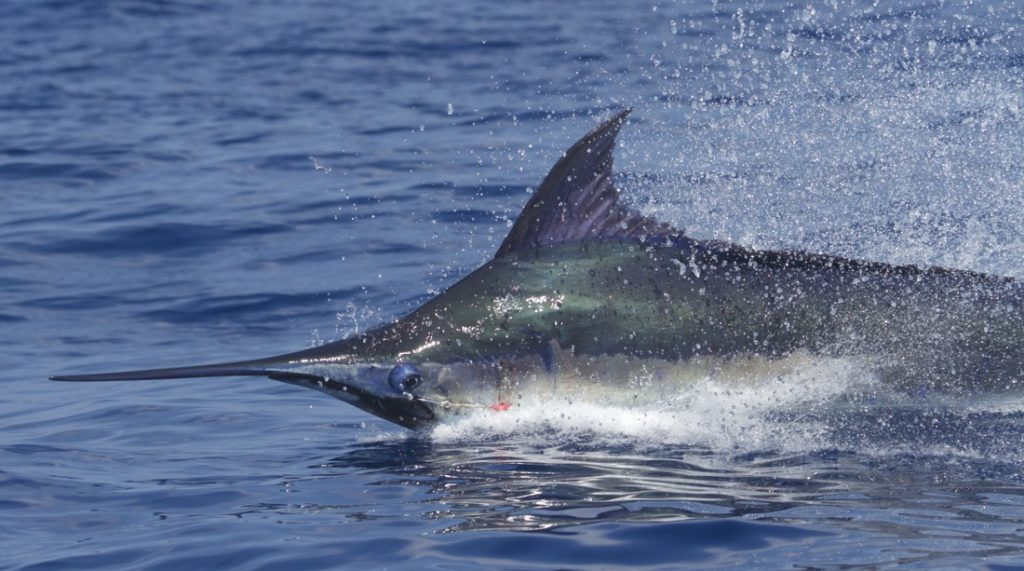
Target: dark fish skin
x=681 y=298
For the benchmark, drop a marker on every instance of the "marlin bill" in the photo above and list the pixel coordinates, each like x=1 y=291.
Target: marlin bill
x=585 y=292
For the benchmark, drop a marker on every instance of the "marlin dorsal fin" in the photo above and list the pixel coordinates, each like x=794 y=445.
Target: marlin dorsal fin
x=578 y=199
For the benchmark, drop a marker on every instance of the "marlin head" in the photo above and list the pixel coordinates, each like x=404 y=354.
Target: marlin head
x=365 y=371
x=472 y=345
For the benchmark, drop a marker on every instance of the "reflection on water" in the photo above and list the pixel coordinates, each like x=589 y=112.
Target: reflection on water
x=549 y=481
x=531 y=486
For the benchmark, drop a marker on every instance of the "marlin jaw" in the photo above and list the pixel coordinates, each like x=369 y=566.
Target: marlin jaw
x=366 y=386
x=419 y=395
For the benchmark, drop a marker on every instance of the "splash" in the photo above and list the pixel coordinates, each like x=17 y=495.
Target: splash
x=823 y=129
x=819 y=406
x=751 y=406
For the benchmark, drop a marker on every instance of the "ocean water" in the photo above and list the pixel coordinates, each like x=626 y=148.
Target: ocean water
x=183 y=181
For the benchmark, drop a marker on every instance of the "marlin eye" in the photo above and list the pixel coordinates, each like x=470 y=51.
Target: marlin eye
x=404 y=377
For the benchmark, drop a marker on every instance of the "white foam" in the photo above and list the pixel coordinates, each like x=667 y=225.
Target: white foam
x=723 y=412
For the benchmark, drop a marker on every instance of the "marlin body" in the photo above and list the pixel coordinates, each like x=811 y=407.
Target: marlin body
x=585 y=292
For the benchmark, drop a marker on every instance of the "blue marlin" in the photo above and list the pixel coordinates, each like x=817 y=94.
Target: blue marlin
x=585 y=292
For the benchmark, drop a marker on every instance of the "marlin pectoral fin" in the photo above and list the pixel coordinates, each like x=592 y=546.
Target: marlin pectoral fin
x=578 y=199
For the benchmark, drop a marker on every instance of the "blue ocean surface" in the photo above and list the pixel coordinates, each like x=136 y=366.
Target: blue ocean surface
x=186 y=182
